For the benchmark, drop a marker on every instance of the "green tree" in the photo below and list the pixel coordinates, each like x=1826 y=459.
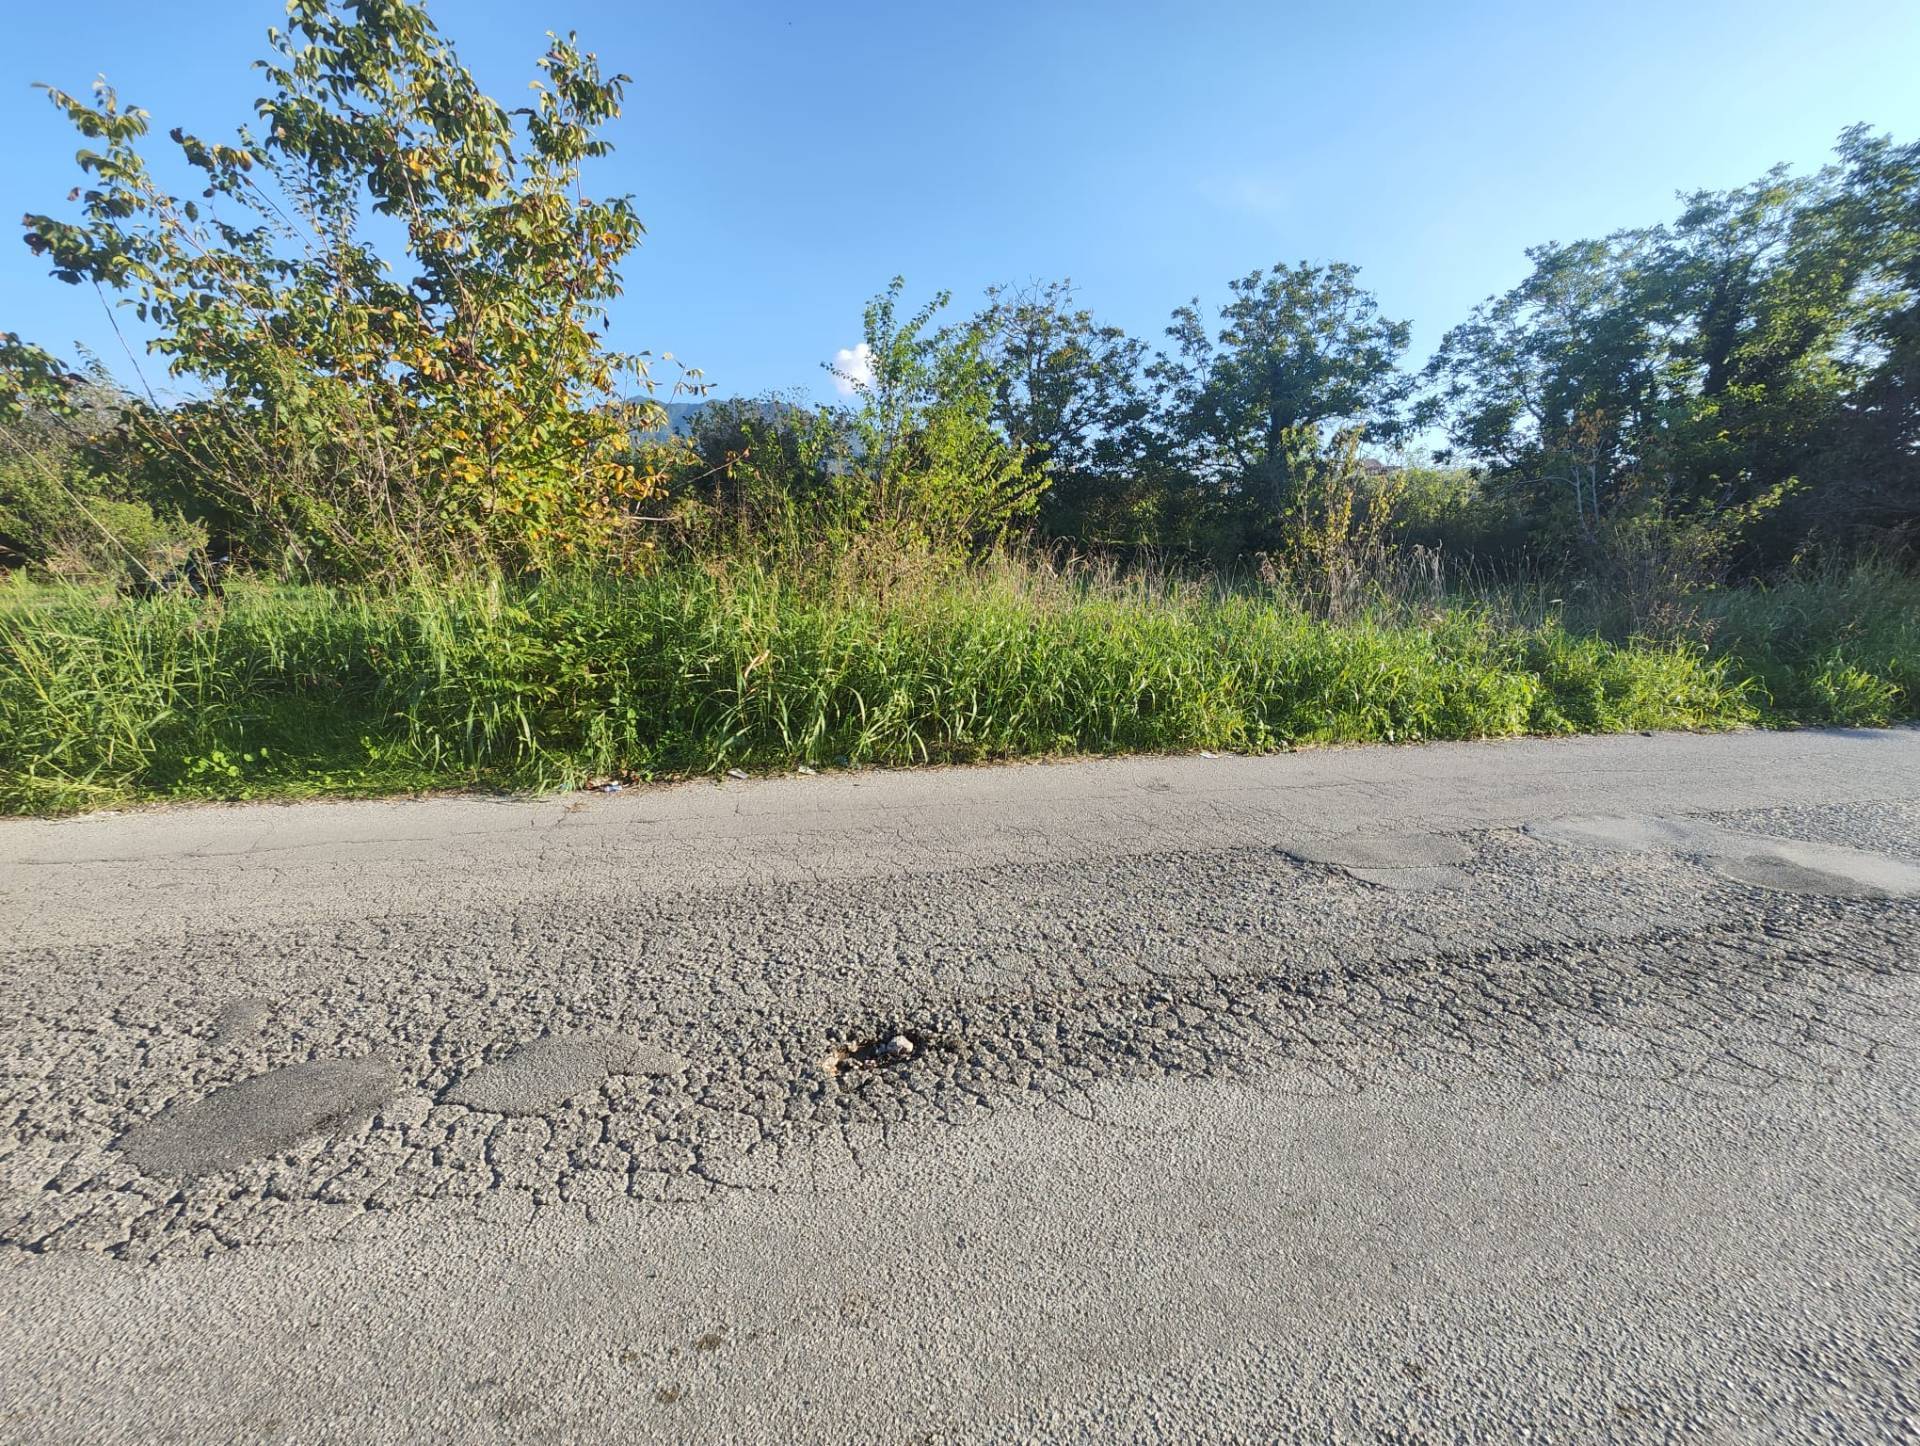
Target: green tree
x=362 y=407
x=1705 y=371
x=1876 y=491
x=1300 y=354
x=926 y=461
x=1551 y=383
x=1756 y=294
x=1069 y=393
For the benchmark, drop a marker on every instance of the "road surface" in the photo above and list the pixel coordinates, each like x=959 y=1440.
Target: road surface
x=1442 y=1093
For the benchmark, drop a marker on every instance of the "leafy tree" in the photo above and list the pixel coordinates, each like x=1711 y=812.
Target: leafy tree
x=1755 y=292
x=1551 y=382
x=1705 y=371
x=1300 y=352
x=1069 y=393
x=364 y=408
x=1878 y=486
x=927 y=463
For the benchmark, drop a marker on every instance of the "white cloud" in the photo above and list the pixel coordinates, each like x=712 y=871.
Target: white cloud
x=852 y=369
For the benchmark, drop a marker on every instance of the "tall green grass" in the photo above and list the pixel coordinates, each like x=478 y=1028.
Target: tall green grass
x=475 y=681
x=1838 y=647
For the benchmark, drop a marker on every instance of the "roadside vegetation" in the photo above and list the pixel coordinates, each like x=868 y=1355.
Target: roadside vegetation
x=285 y=690
x=417 y=526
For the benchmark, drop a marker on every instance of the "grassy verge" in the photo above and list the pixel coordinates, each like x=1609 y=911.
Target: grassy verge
x=286 y=691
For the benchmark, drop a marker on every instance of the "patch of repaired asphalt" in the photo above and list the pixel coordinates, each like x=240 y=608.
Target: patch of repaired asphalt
x=545 y=1073
x=240 y=1019
x=1413 y=862
x=1031 y=985
x=260 y=1116
x=1783 y=864
x=1614 y=833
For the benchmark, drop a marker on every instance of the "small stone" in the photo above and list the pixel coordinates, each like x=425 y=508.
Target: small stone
x=894 y=1050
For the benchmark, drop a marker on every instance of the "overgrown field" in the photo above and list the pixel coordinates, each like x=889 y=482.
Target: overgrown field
x=475 y=681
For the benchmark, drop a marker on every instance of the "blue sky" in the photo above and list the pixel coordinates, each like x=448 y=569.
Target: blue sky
x=789 y=159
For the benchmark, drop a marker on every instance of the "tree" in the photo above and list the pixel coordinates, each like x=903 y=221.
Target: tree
x=1878 y=487
x=1700 y=370
x=364 y=408
x=927 y=462
x=1301 y=352
x=1069 y=394
x=1755 y=292
x=1550 y=383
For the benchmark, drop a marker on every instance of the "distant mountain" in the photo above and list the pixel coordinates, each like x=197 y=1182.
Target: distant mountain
x=680 y=415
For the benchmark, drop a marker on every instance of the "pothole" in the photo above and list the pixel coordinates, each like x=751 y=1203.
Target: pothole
x=849 y=1062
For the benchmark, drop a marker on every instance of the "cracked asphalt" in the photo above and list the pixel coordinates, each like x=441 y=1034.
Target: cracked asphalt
x=1443 y=1093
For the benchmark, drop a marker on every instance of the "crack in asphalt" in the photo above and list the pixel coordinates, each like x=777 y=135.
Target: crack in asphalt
x=1023 y=988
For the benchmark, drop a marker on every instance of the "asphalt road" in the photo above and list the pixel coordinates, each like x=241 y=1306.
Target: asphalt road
x=1562 y=1091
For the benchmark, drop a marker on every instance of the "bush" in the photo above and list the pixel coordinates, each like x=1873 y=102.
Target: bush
x=61 y=511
